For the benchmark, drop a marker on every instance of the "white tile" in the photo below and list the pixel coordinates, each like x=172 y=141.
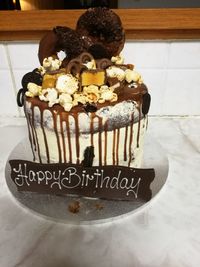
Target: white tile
x=146 y=54
x=155 y=81
x=8 y=104
x=184 y=55
x=182 y=94
x=23 y=55
x=3 y=57
x=18 y=75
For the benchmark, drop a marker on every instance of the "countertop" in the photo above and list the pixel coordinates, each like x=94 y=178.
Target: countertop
x=165 y=233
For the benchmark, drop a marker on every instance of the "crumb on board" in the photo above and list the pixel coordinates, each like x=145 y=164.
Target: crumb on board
x=74 y=207
x=99 y=206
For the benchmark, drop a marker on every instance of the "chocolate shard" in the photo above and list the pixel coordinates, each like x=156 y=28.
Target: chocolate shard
x=20 y=97
x=146 y=100
x=88 y=156
x=90 y=107
x=31 y=77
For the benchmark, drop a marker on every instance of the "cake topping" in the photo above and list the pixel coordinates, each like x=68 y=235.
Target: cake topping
x=33 y=90
x=33 y=77
x=67 y=84
x=102 y=31
x=84 y=78
x=115 y=72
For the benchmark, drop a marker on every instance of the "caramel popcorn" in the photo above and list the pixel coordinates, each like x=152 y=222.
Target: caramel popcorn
x=33 y=90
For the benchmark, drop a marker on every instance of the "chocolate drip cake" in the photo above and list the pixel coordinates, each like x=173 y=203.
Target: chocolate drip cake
x=89 y=108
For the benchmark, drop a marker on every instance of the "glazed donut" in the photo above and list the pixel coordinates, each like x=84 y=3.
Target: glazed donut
x=101 y=26
x=61 y=38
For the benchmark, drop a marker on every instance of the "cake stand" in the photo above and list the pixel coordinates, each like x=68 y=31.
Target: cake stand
x=56 y=207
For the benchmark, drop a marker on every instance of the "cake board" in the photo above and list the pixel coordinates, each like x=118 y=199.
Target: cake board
x=55 y=207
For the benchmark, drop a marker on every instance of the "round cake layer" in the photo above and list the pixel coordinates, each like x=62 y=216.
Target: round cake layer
x=115 y=132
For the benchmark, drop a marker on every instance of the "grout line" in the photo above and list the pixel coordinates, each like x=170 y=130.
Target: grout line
x=12 y=75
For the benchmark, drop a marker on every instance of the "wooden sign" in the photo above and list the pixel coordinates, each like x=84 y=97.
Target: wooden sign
x=108 y=182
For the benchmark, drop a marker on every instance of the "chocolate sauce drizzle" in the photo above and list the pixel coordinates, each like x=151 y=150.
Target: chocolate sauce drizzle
x=61 y=126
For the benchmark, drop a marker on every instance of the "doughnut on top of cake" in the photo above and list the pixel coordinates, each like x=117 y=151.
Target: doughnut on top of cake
x=100 y=25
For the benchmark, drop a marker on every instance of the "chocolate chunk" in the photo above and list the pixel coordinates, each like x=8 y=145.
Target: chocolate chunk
x=31 y=77
x=20 y=97
x=90 y=107
x=146 y=103
x=88 y=156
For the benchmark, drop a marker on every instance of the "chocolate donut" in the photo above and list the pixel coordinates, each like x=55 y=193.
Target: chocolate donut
x=101 y=26
x=61 y=38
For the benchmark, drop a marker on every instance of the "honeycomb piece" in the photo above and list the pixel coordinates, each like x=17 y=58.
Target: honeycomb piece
x=95 y=77
x=49 y=81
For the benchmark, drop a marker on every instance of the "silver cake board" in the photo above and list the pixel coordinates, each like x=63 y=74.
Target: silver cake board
x=55 y=207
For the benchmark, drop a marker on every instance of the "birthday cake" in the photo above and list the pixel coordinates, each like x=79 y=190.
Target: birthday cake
x=87 y=108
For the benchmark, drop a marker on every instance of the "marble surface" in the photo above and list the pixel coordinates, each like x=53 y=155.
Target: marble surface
x=165 y=233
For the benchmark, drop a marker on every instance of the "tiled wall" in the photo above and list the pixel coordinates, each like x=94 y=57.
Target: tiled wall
x=170 y=69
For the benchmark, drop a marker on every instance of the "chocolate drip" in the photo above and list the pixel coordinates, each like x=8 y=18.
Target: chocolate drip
x=45 y=138
x=114 y=141
x=125 y=143
x=100 y=142
x=117 y=150
x=138 y=133
x=131 y=139
x=77 y=139
x=35 y=134
x=69 y=139
x=92 y=116
x=57 y=135
x=105 y=143
x=63 y=139
x=29 y=134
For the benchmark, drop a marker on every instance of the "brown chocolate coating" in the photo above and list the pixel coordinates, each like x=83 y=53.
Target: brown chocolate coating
x=48 y=46
x=61 y=38
x=69 y=41
x=102 y=26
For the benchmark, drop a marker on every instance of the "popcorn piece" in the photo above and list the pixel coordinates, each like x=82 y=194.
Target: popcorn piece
x=92 y=97
x=113 y=72
x=103 y=88
x=65 y=101
x=91 y=89
x=118 y=60
x=49 y=95
x=107 y=95
x=33 y=90
x=96 y=77
x=67 y=84
x=79 y=98
x=91 y=64
x=132 y=76
x=51 y=63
